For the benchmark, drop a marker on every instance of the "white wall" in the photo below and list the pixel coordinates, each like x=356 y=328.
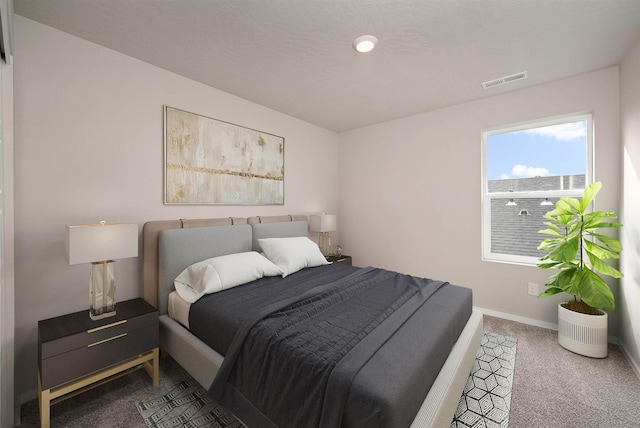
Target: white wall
x=410 y=196
x=630 y=213
x=7 y=299
x=89 y=146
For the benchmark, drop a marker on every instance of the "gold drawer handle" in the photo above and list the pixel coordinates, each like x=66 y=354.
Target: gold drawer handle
x=106 y=326
x=107 y=340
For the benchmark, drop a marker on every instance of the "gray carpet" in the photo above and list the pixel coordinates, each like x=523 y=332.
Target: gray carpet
x=555 y=388
x=552 y=387
x=110 y=405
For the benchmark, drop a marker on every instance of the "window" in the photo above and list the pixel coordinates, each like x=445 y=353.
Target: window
x=526 y=169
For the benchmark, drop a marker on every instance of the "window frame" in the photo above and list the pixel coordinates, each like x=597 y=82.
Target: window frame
x=486 y=253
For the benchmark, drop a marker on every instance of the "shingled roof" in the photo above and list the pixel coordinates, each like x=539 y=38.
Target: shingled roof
x=514 y=229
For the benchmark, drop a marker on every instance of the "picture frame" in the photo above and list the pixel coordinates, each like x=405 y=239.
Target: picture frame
x=212 y=162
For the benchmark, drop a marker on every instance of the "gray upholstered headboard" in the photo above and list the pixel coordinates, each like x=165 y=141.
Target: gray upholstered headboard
x=180 y=248
x=150 y=235
x=277 y=230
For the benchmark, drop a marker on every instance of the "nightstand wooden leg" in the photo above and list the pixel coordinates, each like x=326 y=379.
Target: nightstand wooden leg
x=156 y=367
x=44 y=402
x=152 y=367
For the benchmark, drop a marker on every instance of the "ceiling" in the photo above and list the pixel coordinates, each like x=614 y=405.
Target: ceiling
x=296 y=56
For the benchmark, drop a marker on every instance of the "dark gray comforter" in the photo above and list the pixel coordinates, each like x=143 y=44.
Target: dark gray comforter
x=334 y=346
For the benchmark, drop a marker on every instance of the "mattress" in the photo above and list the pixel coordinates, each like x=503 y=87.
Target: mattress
x=178 y=309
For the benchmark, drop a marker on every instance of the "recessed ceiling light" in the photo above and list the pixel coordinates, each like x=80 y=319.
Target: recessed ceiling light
x=364 y=44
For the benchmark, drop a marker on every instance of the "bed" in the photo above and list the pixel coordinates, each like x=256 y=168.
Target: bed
x=171 y=246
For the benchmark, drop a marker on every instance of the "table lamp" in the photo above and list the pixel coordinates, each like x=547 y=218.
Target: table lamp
x=323 y=223
x=101 y=244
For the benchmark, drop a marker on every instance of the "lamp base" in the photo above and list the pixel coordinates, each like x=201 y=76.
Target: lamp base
x=324 y=242
x=102 y=290
x=96 y=315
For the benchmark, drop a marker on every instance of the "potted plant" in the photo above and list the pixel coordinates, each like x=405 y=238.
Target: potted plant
x=576 y=249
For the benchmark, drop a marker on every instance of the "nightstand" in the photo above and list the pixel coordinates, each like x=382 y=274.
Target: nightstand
x=340 y=259
x=76 y=354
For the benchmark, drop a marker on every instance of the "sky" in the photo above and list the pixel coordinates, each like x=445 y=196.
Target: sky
x=547 y=151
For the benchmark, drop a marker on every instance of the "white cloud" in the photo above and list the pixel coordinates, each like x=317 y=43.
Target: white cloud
x=562 y=132
x=523 y=171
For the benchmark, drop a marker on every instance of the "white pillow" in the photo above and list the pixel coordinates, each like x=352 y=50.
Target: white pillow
x=292 y=254
x=221 y=273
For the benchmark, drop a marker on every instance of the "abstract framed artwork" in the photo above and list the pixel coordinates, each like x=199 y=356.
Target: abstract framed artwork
x=211 y=162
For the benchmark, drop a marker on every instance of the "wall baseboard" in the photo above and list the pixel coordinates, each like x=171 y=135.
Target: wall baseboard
x=634 y=364
x=537 y=323
x=517 y=318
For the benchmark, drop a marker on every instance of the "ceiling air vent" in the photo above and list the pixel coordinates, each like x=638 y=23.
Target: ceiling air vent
x=504 y=80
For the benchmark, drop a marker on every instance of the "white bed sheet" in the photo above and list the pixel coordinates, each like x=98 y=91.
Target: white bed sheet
x=179 y=309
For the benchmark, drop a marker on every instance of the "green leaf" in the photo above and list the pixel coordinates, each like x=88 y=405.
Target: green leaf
x=603 y=268
x=612 y=243
x=565 y=219
x=575 y=227
x=574 y=204
x=553 y=225
x=544 y=245
x=600 y=224
x=550 y=292
x=564 y=207
x=594 y=291
x=589 y=194
x=550 y=244
x=599 y=251
x=566 y=251
x=564 y=280
x=599 y=215
x=548 y=265
x=599 y=220
x=549 y=232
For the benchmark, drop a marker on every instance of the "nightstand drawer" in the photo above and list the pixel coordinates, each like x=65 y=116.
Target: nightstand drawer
x=96 y=334
x=97 y=355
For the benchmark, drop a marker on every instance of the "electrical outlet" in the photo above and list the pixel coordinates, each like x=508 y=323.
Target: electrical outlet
x=533 y=289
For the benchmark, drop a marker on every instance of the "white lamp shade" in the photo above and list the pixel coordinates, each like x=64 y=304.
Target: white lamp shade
x=99 y=242
x=322 y=223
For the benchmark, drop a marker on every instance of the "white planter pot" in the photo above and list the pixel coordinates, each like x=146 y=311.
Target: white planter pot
x=581 y=333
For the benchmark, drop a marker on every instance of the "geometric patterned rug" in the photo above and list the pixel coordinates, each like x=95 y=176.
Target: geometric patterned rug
x=484 y=402
x=486 y=397
x=186 y=405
